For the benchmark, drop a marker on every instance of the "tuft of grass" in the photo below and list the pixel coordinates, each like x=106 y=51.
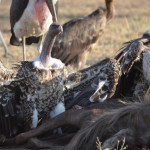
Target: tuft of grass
x=120 y=145
x=98 y=144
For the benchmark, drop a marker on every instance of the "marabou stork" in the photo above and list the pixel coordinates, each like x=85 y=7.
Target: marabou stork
x=30 y=19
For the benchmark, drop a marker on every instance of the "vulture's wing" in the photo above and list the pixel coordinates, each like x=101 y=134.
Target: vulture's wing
x=7 y=101
x=130 y=53
x=81 y=76
x=100 y=86
x=8 y=118
x=131 y=57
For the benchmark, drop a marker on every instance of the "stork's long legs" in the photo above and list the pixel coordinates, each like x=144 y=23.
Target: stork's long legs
x=40 y=43
x=4 y=45
x=24 y=48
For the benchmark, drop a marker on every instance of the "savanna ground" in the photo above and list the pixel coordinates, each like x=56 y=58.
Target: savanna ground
x=132 y=18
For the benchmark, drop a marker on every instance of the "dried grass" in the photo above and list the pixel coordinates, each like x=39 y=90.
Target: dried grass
x=131 y=20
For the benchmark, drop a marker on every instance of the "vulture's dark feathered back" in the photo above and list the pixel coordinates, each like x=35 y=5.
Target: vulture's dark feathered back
x=95 y=83
x=79 y=36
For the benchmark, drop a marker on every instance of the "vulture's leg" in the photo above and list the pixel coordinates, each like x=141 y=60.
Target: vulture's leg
x=81 y=60
x=121 y=139
x=78 y=118
x=24 y=48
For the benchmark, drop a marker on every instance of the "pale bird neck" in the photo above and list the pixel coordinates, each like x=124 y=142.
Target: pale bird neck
x=45 y=55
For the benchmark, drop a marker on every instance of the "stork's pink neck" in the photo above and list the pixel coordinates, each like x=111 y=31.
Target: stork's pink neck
x=41 y=11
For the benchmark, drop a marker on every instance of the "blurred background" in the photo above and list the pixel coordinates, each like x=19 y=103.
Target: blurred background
x=131 y=19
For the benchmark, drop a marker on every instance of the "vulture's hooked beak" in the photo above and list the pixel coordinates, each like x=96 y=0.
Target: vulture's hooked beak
x=51 y=7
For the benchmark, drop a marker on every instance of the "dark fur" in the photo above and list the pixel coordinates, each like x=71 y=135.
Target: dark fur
x=135 y=116
x=76 y=118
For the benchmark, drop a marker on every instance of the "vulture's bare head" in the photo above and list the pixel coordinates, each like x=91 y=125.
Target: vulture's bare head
x=55 y=29
x=147 y=34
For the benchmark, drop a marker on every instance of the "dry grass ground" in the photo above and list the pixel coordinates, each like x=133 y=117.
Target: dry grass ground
x=131 y=20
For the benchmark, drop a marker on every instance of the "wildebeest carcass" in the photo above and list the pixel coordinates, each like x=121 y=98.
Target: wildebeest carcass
x=129 y=122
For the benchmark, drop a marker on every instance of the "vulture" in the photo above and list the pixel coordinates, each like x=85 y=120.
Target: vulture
x=32 y=91
x=79 y=36
x=125 y=75
x=96 y=83
x=30 y=20
x=134 y=60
